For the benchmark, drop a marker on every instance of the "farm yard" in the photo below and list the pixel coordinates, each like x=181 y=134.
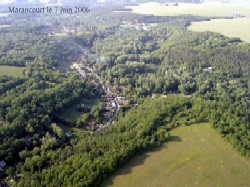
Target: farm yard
x=228 y=27
x=194 y=156
x=11 y=70
x=205 y=9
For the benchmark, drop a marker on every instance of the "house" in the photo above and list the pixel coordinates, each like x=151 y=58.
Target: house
x=113 y=104
x=208 y=68
x=69 y=134
x=2 y=165
x=122 y=101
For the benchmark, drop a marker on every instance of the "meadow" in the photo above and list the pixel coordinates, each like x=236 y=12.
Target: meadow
x=228 y=27
x=205 y=9
x=194 y=156
x=72 y=113
x=77 y=132
x=11 y=71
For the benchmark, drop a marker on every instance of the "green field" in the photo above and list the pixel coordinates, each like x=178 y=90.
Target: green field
x=205 y=9
x=77 y=132
x=72 y=113
x=11 y=70
x=228 y=27
x=194 y=156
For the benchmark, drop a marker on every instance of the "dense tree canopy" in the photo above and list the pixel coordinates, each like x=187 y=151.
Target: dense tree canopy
x=195 y=77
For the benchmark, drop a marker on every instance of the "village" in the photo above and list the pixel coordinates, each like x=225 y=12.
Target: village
x=112 y=100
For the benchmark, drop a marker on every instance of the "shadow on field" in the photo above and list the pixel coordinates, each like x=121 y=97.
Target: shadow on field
x=137 y=161
x=174 y=139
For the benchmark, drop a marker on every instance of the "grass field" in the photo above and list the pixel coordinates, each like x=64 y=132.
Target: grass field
x=72 y=114
x=239 y=27
x=194 y=156
x=205 y=9
x=11 y=70
x=78 y=132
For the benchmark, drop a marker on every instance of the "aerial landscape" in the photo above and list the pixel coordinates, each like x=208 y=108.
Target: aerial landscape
x=124 y=93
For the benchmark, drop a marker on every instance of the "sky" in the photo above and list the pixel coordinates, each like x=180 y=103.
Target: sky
x=11 y=1
x=5 y=1
x=45 y=1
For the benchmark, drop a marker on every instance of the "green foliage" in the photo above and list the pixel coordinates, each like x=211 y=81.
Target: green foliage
x=208 y=75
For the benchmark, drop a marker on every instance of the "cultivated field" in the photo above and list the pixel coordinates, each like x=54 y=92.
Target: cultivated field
x=11 y=70
x=228 y=27
x=205 y=9
x=194 y=156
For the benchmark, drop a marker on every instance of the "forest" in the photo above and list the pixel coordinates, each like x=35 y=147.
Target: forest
x=169 y=75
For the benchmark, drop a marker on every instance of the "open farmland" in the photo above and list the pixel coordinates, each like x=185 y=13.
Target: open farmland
x=11 y=70
x=194 y=156
x=228 y=27
x=205 y=9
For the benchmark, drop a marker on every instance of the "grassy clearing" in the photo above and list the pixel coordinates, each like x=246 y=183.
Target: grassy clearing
x=229 y=27
x=78 y=132
x=72 y=114
x=11 y=71
x=194 y=156
x=205 y=9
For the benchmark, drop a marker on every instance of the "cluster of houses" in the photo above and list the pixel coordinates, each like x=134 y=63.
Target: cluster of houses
x=122 y=101
x=137 y=26
x=238 y=16
x=112 y=102
x=170 y=4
